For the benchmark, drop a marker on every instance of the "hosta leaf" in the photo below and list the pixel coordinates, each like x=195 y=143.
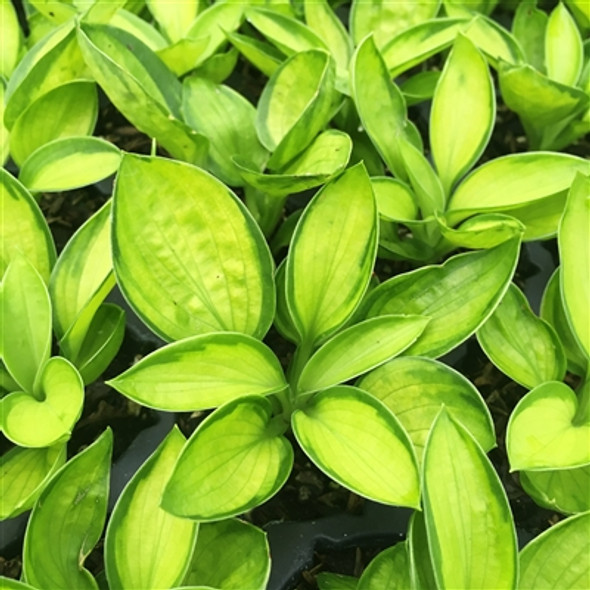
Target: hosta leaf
x=511 y=182
x=295 y=105
x=132 y=23
x=482 y=278
x=528 y=27
x=261 y=54
x=390 y=569
x=559 y=557
x=240 y=461
x=463 y=106
x=68 y=110
x=202 y=372
x=11 y=39
x=520 y=344
x=283 y=322
x=174 y=18
x=322 y=297
x=31 y=422
x=67 y=521
x=4 y=133
x=68 y=163
x=11 y=584
x=25 y=322
x=23 y=228
x=564 y=52
x=565 y=490
x=395 y=200
x=420 y=86
x=182 y=56
x=181 y=275
x=226 y=118
x=359 y=349
x=415 y=389
x=421 y=572
x=167 y=542
x=470 y=528
x=573 y=240
x=356 y=440
x=581 y=13
x=246 y=561
x=544 y=433
x=24 y=473
x=330 y=581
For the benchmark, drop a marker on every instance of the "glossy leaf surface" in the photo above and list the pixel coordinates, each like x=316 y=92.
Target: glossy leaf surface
x=181 y=275
x=356 y=440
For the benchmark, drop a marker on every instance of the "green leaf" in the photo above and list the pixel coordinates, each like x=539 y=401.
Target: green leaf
x=558 y=557
x=68 y=110
x=132 y=23
x=181 y=275
x=32 y=422
x=283 y=322
x=420 y=86
x=380 y=104
x=542 y=433
x=12 y=38
x=528 y=27
x=470 y=529
x=10 y=584
x=295 y=105
x=246 y=558
x=167 y=542
x=564 y=52
x=359 y=349
x=23 y=228
x=68 y=163
x=520 y=344
x=322 y=297
x=390 y=569
x=395 y=200
x=416 y=388
x=565 y=490
x=4 y=133
x=421 y=566
x=67 y=520
x=202 y=372
x=174 y=18
x=511 y=182
x=330 y=581
x=573 y=240
x=25 y=322
x=356 y=440
x=234 y=461
x=24 y=473
x=259 y=53
x=464 y=107
x=482 y=278
x=182 y=56
x=142 y=88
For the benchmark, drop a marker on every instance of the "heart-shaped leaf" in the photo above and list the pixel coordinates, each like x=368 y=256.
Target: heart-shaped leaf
x=356 y=440
x=542 y=434
x=31 y=422
x=181 y=275
x=202 y=372
x=167 y=542
x=235 y=460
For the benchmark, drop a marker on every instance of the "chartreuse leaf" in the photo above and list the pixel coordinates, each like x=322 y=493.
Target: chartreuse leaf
x=565 y=490
x=512 y=182
x=283 y=322
x=520 y=344
x=24 y=473
x=202 y=372
x=581 y=13
x=4 y=133
x=464 y=107
x=48 y=418
x=356 y=440
x=174 y=18
x=380 y=104
x=322 y=297
x=11 y=584
x=167 y=542
x=386 y=19
x=180 y=274
x=25 y=322
x=261 y=54
x=528 y=26
x=421 y=567
x=246 y=558
x=235 y=460
x=132 y=23
x=390 y=569
x=11 y=39
x=330 y=581
x=552 y=311
x=544 y=431
x=68 y=110
x=68 y=163
x=559 y=557
x=482 y=278
x=23 y=228
x=468 y=520
x=564 y=52
x=142 y=88
x=574 y=250
x=67 y=520
x=359 y=349
x=415 y=388
x=227 y=119
x=295 y=105
x=395 y=199
x=182 y=56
